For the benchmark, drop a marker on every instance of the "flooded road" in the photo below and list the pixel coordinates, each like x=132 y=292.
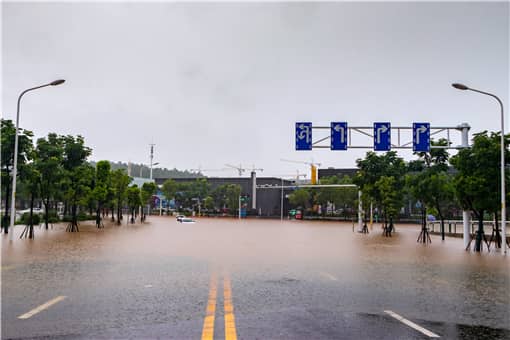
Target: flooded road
x=249 y=279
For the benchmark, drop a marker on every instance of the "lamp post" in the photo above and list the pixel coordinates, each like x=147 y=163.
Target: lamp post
x=153 y=164
x=503 y=199
x=15 y=165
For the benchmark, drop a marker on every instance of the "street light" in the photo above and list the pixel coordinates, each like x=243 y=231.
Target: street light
x=151 y=168
x=503 y=199
x=15 y=165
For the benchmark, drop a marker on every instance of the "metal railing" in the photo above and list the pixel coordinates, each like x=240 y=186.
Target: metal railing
x=451 y=226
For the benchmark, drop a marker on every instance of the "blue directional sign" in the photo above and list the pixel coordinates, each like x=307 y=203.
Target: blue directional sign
x=421 y=137
x=338 y=136
x=303 y=136
x=382 y=136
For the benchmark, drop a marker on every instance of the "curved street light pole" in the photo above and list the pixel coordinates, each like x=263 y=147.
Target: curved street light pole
x=503 y=195
x=15 y=155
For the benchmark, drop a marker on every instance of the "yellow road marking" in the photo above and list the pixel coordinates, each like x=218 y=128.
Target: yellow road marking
x=42 y=307
x=8 y=267
x=230 y=322
x=208 y=329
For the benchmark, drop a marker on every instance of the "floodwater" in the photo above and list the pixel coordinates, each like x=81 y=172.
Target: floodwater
x=158 y=273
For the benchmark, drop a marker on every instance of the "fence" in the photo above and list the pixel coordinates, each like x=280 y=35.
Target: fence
x=453 y=223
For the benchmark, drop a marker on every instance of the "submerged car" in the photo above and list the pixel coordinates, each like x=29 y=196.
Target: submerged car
x=187 y=220
x=180 y=217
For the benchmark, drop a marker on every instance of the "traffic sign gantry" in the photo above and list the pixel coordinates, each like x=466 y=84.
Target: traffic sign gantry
x=382 y=136
x=303 y=136
x=338 y=136
x=421 y=137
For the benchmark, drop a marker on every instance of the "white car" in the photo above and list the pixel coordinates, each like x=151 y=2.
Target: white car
x=187 y=220
x=180 y=217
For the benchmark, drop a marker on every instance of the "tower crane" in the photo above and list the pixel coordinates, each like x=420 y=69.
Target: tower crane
x=241 y=169
x=313 y=168
x=238 y=168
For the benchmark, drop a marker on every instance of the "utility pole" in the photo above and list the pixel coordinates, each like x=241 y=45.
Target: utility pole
x=151 y=157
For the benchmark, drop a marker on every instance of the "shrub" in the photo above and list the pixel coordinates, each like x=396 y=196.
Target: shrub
x=36 y=219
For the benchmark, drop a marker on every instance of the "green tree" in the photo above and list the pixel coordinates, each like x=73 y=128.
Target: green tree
x=232 y=193
x=120 y=183
x=199 y=189
x=169 y=188
x=341 y=197
x=31 y=186
x=391 y=199
x=7 y=133
x=227 y=196
x=476 y=183
x=148 y=189
x=48 y=162
x=78 y=175
x=133 y=200
x=209 y=203
x=371 y=170
x=432 y=185
x=300 y=198
x=102 y=185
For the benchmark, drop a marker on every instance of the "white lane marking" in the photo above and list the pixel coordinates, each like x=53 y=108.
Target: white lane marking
x=412 y=324
x=329 y=276
x=148 y=286
x=42 y=307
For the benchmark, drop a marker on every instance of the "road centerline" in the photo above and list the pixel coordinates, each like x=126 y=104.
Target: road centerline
x=208 y=328
x=42 y=307
x=230 y=322
x=412 y=324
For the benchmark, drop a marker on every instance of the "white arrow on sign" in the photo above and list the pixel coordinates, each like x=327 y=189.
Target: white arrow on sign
x=382 y=129
x=305 y=132
x=419 y=130
x=339 y=128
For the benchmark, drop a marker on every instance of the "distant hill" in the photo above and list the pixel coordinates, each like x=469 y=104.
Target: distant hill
x=156 y=172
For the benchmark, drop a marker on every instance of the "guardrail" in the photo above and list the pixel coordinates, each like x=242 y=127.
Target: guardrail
x=453 y=223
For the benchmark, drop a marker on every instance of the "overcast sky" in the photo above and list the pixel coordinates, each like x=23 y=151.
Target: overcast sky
x=211 y=84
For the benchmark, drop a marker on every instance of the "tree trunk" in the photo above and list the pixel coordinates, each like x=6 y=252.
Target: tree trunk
x=441 y=217
x=479 y=233
x=118 y=214
x=498 y=235
x=98 y=216
x=73 y=225
x=46 y=203
x=31 y=222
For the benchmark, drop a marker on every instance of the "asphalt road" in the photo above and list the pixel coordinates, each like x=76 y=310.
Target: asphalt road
x=254 y=279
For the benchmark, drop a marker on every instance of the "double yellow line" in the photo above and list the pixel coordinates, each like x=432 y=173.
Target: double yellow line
x=228 y=306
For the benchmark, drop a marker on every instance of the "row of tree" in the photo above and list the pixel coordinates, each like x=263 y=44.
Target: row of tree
x=198 y=194
x=468 y=180
x=55 y=170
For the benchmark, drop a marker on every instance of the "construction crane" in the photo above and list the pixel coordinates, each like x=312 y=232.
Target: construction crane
x=238 y=168
x=241 y=169
x=313 y=168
